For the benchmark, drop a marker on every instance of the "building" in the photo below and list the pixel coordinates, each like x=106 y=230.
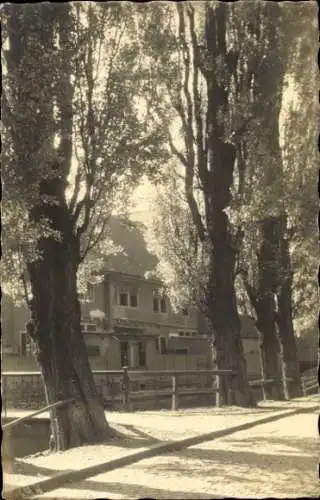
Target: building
x=128 y=320
x=308 y=349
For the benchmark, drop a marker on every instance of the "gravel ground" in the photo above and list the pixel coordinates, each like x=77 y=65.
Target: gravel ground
x=271 y=460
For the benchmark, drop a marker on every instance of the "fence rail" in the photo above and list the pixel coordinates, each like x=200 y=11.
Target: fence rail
x=126 y=379
x=123 y=388
x=309 y=384
x=19 y=421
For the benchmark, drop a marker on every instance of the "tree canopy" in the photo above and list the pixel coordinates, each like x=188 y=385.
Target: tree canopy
x=79 y=105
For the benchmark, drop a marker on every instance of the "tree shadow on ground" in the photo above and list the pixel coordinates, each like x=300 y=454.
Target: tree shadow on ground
x=141 y=433
x=25 y=468
x=305 y=445
x=275 y=463
x=131 y=442
x=133 y=491
x=224 y=465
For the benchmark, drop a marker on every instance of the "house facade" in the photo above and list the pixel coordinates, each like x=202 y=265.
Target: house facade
x=139 y=328
x=128 y=320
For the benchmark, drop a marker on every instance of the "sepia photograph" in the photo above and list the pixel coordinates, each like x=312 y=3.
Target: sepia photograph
x=160 y=258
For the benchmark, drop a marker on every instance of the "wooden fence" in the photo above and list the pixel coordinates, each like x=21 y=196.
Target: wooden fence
x=309 y=384
x=20 y=420
x=174 y=384
x=122 y=388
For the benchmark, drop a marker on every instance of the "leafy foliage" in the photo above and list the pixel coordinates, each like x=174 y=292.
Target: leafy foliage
x=73 y=98
x=263 y=183
x=183 y=260
x=289 y=184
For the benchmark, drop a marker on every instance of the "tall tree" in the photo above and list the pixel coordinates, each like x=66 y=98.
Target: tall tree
x=217 y=180
x=75 y=140
x=202 y=62
x=270 y=290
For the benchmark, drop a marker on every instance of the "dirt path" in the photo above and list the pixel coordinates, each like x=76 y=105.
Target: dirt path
x=159 y=426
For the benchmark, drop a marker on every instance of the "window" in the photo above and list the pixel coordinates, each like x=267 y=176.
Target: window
x=156 y=304
x=123 y=299
x=185 y=311
x=163 y=305
x=124 y=353
x=91 y=327
x=188 y=334
x=159 y=302
x=133 y=300
x=142 y=354
x=128 y=297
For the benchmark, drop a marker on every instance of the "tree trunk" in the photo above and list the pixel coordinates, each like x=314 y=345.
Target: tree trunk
x=55 y=310
x=269 y=280
x=55 y=328
x=62 y=355
x=285 y=319
x=274 y=266
x=222 y=307
x=223 y=313
x=270 y=352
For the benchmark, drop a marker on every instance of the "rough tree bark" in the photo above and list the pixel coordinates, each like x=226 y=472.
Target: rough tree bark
x=55 y=329
x=284 y=318
x=55 y=309
x=265 y=306
x=274 y=258
x=222 y=305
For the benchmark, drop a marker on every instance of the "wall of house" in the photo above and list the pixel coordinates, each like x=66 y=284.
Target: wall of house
x=19 y=363
x=96 y=299
x=106 y=350
x=157 y=361
x=144 y=311
x=29 y=364
x=251 y=354
x=13 y=320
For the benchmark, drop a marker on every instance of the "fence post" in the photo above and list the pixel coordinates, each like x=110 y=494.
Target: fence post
x=218 y=388
x=175 y=393
x=125 y=389
x=263 y=389
x=230 y=390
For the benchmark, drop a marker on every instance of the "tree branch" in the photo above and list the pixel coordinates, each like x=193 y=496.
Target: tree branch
x=188 y=130
x=75 y=192
x=200 y=147
x=92 y=242
x=177 y=153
